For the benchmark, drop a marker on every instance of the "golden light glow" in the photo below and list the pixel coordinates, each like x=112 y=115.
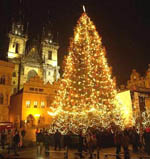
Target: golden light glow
x=37 y=115
x=124 y=99
x=12 y=55
x=87 y=94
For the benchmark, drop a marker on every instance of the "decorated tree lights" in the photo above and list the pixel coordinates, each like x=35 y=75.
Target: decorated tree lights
x=87 y=96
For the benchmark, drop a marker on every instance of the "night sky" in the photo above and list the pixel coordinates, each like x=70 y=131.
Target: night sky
x=123 y=24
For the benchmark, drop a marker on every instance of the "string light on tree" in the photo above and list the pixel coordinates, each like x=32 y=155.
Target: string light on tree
x=87 y=95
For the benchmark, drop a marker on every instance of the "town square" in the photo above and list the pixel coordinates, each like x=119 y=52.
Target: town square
x=74 y=81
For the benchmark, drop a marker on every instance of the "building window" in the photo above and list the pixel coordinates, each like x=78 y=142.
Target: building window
x=1 y=98
x=35 y=104
x=41 y=90
x=28 y=104
x=31 y=89
x=42 y=104
x=2 y=80
x=14 y=82
x=17 y=47
x=36 y=89
x=49 y=55
x=49 y=73
x=14 y=74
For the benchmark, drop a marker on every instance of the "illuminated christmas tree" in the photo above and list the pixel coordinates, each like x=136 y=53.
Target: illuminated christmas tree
x=87 y=94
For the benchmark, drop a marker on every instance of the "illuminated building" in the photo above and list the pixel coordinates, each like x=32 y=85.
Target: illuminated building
x=140 y=88
x=6 y=69
x=35 y=58
x=30 y=105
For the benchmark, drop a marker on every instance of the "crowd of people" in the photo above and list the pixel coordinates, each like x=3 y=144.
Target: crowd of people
x=87 y=142
x=94 y=139
x=43 y=139
x=12 y=140
x=140 y=142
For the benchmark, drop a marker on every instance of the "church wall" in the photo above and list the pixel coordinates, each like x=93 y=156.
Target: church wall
x=15 y=79
x=27 y=69
x=6 y=70
x=16 y=108
x=12 y=46
x=45 y=51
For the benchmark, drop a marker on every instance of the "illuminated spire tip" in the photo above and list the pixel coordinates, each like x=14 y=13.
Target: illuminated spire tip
x=84 y=8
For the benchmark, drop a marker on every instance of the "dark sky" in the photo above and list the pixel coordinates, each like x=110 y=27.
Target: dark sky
x=123 y=24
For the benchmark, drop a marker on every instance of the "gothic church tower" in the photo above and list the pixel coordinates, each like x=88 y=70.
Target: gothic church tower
x=33 y=58
x=49 y=56
x=16 y=51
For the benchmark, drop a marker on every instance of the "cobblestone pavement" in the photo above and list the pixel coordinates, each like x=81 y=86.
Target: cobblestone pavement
x=31 y=153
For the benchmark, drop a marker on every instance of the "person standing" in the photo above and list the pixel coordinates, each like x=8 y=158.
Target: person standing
x=46 y=143
x=146 y=136
x=57 y=138
x=125 y=144
x=16 y=141
x=117 y=141
x=40 y=140
x=91 y=142
x=3 y=139
x=23 y=132
x=9 y=141
x=80 y=146
x=135 y=140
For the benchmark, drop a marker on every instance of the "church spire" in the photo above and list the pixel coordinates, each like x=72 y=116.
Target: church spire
x=84 y=9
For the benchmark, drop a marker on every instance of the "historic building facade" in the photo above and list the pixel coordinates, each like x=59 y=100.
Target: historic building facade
x=140 y=91
x=30 y=106
x=37 y=58
x=6 y=69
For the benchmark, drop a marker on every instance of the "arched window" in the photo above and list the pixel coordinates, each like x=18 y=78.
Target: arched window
x=1 y=98
x=31 y=74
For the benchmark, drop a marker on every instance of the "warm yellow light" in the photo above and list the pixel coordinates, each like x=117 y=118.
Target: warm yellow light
x=92 y=110
x=124 y=100
x=37 y=115
x=12 y=55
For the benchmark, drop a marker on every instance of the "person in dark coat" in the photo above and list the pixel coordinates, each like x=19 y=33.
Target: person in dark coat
x=39 y=141
x=16 y=140
x=135 y=140
x=46 y=143
x=23 y=132
x=117 y=141
x=80 y=146
x=57 y=138
x=67 y=141
x=125 y=143
x=3 y=139
x=146 y=136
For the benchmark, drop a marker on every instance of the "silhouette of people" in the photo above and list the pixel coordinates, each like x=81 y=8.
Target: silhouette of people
x=57 y=138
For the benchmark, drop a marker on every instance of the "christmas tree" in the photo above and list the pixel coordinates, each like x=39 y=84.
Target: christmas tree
x=87 y=94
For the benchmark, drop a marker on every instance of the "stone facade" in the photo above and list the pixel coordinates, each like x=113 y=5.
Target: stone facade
x=30 y=106
x=137 y=81
x=140 y=88
x=37 y=58
x=6 y=69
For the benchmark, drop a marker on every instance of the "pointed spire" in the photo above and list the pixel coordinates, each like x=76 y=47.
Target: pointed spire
x=84 y=9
